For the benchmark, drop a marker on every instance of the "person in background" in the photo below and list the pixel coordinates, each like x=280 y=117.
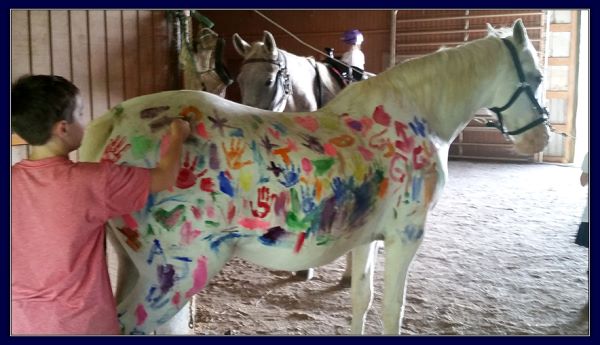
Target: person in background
x=59 y=275
x=354 y=55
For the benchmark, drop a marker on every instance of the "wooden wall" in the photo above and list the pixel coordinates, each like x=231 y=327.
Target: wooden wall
x=110 y=55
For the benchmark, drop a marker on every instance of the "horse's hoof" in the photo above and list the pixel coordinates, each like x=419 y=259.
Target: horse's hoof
x=346 y=282
x=306 y=274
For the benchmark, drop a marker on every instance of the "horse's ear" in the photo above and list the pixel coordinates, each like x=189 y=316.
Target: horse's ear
x=241 y=46
x=519 y=32
x=269 y=41
x=490 y=29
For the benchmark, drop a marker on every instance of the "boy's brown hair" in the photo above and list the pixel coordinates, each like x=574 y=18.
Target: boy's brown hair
x=38 y=102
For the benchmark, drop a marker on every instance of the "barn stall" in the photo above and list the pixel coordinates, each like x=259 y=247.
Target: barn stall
x=115 y=55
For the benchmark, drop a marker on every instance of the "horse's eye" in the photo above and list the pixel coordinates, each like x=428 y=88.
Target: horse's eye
x=269 y=82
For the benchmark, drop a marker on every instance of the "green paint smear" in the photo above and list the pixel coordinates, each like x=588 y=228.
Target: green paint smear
x=322 y=165
x=295 y=200
x=140 y=145
x=163 y=217
x=211 y=223
x=323 y=239
x=117 y=111
x=293 y=221
x=150 y=231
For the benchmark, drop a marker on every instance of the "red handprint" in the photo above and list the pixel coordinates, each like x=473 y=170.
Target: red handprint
x=114 y=150
x=186 y=177
x=264 y=200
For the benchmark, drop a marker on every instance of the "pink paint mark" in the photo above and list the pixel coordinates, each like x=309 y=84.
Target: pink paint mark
x=275 y=133
x=291 y=145
x=230 y=212
x=164 y=144
x=367 y=123
x=210 y=212
x=176 y=298
x=201 y=130
x=188 y=233
x=173 y=218
x=254 y=223
x=307 y=122
x=130 y=221
x=330 y=150
x=140 y=314
x=197 y=212
x=367 y=155
x=307 y=165
x=281 y=203
x=380 y=116
x=299 y=242
x=200 y=277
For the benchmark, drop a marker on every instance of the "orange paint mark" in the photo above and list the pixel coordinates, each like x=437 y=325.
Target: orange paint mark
x=318 y=190
x=342 y=141
x=190 y=111
x=283 y=152
x=383 y=187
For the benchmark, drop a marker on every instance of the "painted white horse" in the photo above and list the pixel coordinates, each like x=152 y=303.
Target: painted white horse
x=290 y=191
x=274 y=79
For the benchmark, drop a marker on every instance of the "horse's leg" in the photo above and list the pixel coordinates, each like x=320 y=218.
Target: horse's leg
x=399 y=253
x=363 y=264
x=347 y=276
x=178 y=324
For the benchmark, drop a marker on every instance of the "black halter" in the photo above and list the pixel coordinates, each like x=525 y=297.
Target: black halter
x=282 y=77
x=523 y=87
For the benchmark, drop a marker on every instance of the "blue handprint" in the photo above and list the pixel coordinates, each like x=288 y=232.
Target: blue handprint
x=308 y=197
x=291 y=176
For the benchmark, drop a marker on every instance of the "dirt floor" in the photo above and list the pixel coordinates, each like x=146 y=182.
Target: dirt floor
x=498 y=258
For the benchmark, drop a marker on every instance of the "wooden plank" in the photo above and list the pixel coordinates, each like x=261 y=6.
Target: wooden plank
x=61 y=43
x=20 y=60
x=39 y=25
x=98 y=58
x=131 y=54
x=80 y=58
x=146 y=51
x=114 y=43
x=161 y=51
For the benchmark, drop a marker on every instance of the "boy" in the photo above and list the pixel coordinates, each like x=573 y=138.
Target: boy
x=60 y=282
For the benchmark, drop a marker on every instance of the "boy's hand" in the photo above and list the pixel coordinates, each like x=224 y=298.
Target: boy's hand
x=180 y=129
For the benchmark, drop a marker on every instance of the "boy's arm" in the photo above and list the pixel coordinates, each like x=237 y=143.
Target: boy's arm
x=165 y=174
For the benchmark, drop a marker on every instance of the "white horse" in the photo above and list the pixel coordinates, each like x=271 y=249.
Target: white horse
x=274 y=79
x=290 y=191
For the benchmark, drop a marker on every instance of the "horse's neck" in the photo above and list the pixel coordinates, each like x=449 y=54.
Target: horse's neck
x=302 y=79
x=447 y=87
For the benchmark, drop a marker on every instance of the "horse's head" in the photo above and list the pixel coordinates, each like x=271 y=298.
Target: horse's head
x=214 y=77
x=519 y=113
x=263 y=78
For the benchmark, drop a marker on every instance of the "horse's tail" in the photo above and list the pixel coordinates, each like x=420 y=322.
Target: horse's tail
x=92 y=145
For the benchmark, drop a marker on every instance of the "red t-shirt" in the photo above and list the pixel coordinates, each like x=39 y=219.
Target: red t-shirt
x=60 y=282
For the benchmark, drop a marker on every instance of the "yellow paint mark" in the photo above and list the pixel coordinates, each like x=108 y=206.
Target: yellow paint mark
x=246 y=179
